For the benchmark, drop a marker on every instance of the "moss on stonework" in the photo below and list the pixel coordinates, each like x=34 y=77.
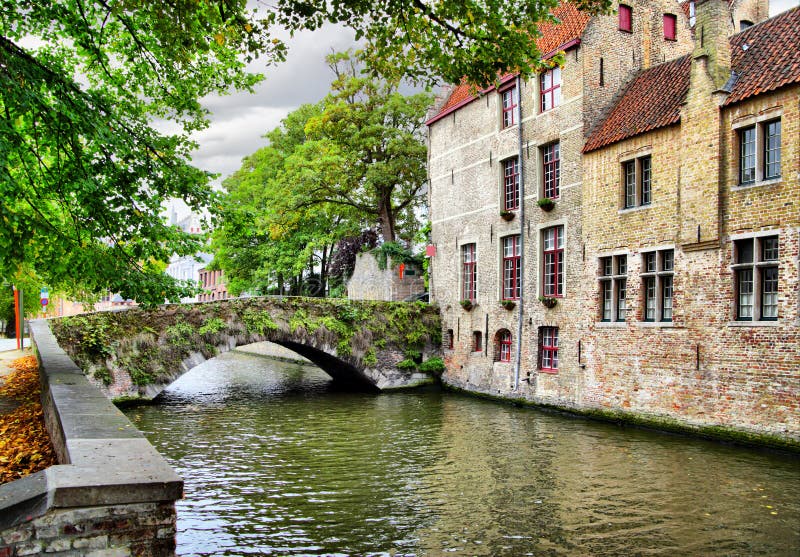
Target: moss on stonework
x=648 y=421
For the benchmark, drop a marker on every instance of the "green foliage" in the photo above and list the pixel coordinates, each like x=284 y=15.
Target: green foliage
x=258 y=321
x=179 y=334
x=432 y=365
x=370 y=358
x=102 y=374
x=407 y=364
x=212 y=325
x=396 y=253
x=93 y=335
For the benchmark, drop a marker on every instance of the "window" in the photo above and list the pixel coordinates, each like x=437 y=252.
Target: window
x=670 y=27
x=551 y=170
x=503 y=346
x=692 y=13
x=613 y=286
x=477 y=341
x=745 y=24
x=451 y=341
x=511 y=184
x=469 y=272
x=511 y=267
x=553 y=243
x=638 y=182
x=548 y=349
x=625 y=18
x=658 y=268
x=760 y=152
x=756 y=273
x=509 y=98
x=550 y=88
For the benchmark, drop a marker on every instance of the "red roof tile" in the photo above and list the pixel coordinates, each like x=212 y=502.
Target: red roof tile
x=652 y=100
x=555 y=36
x=771 y=59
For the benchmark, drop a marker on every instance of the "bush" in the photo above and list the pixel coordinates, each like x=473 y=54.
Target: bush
x=432 y=365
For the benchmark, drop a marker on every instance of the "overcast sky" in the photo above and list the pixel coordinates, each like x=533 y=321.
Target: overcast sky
x=239 y=121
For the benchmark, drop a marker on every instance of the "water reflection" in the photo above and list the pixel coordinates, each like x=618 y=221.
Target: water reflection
x=277 y=462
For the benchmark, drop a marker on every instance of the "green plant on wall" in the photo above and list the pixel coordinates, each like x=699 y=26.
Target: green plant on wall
x=211 y=326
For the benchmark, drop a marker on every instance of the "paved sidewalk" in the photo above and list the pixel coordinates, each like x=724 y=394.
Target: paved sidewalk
x=7 y=344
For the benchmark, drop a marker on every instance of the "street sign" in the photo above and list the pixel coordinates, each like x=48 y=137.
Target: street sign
x=44 y=294
x=44 y=301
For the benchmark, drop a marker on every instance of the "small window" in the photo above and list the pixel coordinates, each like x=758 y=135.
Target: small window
x=511 y=184
x=468 y=272
x=637 y=181
x=625 y=18
x=477 y=341
x=658 y=268
x=551 y=170
x=759 y=152
x=450 y=340
x=548 y=349
x=756 y=278
x=613 y=288
x=511 y=267
x=670 y=27
x=550 y=89
x=503 y=341
x=509 y=99
x=745 y=24
x=553 y=261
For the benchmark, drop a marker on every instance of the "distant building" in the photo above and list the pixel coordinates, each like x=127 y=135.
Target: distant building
x=188 y=267
x=213 y=284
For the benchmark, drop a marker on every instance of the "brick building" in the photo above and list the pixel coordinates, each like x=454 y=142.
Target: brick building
x=603 y=215
x=213 y=284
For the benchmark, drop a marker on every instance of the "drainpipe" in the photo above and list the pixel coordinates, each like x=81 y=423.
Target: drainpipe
x=521 y=237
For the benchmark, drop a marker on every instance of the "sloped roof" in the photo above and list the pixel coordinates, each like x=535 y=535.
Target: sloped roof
x=771 y=58
x=653 y=99
x=555 y=37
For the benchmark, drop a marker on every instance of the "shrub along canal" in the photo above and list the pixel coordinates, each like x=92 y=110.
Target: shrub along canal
x=277 y=462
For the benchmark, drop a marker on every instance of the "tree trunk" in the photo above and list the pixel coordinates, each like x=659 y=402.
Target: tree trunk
x=386 y=217
x=323 y=271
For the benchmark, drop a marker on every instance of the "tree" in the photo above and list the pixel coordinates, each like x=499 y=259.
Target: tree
x=366 y=150
x=83 y=172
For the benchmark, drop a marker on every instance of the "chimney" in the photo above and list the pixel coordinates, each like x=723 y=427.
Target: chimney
x=713 y=27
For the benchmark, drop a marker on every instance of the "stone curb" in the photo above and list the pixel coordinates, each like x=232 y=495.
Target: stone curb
x=104 y=459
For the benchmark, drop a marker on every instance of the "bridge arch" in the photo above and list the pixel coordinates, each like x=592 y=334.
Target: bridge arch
x=369 y=345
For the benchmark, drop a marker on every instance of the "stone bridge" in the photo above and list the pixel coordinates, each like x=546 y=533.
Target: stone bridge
x=366 y=344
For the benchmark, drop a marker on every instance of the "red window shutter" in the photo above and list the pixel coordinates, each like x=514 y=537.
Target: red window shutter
x=670 y=22
x=625 y=13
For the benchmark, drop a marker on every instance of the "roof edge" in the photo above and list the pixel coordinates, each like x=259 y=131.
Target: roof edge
x=569 y=45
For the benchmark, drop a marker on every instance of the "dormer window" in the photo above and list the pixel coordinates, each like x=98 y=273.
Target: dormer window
x=509 y=98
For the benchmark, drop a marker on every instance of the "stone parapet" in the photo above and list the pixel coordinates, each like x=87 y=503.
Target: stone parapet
x=111 y=494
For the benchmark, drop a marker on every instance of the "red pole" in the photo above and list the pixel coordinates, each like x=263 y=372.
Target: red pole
x=17 y=313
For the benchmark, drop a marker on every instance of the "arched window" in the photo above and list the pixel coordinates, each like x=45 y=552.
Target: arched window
x=503 y=346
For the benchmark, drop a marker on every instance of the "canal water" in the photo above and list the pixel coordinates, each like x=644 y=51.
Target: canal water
x=278 y=462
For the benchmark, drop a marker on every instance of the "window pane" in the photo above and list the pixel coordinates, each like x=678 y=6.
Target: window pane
x=511 y=184
x=622 y=264
x=551 y=170
x=667 y=260
x=605 y=266
x=769 y=293
x=606 y=288
x=744 y=251
x=745 y=287
x=666 y=298
x=630 y=183
x=769 y=249
x=509 y=106
x=622 y=307
x=772 y=150
x=645 y=163
x=650 y=262
x=650 y=299
x=747 y=155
